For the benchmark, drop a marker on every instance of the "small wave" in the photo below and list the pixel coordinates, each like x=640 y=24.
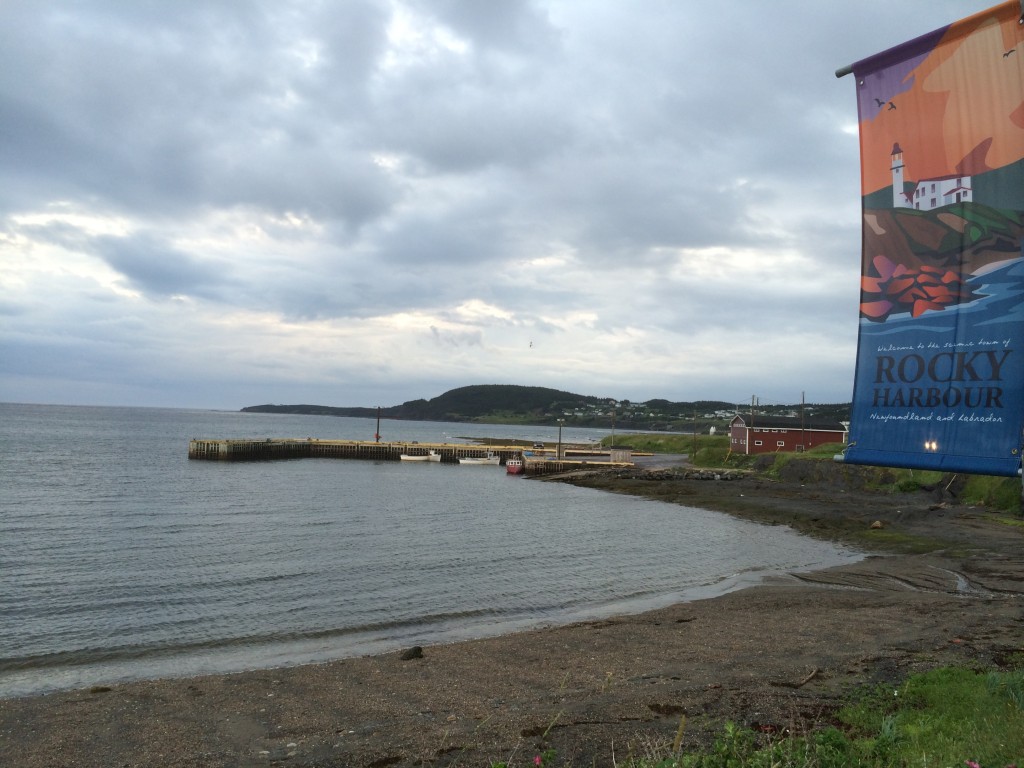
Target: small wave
x=83 y=657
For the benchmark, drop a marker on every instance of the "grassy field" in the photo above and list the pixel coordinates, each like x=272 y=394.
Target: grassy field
x=943 y=718
x=997 y=493
x=946 y=717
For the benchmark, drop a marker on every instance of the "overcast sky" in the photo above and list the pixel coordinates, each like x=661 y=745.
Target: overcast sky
x=219 y=204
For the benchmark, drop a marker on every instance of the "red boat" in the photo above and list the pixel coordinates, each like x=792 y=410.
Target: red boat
x=515 y=466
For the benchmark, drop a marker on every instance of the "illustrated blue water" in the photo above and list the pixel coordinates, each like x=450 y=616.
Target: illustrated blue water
x=121 y=559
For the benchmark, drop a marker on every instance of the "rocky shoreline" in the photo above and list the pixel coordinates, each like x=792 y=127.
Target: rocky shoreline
x=779 y=655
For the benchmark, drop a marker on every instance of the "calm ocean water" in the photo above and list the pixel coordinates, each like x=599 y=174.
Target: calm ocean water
x=121 y=559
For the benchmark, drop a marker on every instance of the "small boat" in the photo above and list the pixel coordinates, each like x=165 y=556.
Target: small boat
x=491 y=459
x=433 y=456
x=413 y=457
x=514 y=466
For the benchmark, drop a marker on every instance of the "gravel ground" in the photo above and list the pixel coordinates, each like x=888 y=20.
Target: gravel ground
x=776 y=656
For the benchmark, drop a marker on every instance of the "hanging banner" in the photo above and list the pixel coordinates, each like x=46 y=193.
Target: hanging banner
x=940 y=359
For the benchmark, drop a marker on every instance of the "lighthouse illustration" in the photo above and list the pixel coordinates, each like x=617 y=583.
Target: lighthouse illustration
x=928 y=194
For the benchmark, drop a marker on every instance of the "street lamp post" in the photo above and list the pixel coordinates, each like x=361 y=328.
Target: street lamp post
x=558 y=451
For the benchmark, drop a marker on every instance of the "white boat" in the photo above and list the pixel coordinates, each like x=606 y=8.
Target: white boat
x=491 y=459
x=413 y=457
x=433 y=456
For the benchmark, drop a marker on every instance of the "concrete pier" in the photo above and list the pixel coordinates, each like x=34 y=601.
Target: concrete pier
x=297 y=448
x=270 y=449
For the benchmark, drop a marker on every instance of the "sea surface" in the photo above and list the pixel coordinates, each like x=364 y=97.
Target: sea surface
x=121 y=559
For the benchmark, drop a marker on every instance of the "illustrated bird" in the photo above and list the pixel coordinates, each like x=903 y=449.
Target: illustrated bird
x=1012 y=50
x=879 y=102
x=891 y=105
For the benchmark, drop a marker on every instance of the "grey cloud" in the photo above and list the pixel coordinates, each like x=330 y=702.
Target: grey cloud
x=516 y=26
x=165 y=107
x=13 y=308
x=158 y=269
x=147 y=262
x=619 y=134
x=317 y=180
x=461 y=339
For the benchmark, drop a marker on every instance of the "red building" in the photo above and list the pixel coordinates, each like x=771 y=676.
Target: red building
x=769 y=434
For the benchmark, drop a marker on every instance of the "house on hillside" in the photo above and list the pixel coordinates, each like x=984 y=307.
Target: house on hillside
x=755 y=433
x=928 y=194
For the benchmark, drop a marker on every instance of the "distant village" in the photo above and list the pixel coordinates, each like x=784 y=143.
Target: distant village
x=751 y=430
x=661 y=410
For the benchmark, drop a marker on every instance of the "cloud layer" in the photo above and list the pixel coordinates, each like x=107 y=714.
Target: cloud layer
x=219 y=204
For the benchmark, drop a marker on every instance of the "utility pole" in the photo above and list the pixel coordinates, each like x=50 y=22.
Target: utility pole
x=694 y=435
x=803 y=436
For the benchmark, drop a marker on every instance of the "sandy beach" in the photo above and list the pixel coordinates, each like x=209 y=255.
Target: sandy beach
x=778 y=655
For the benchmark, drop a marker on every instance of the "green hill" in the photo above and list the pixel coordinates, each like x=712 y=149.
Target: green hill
x=512 y=404
x=474 y=403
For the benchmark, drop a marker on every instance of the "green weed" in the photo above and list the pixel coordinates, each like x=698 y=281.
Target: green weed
x=948 y=717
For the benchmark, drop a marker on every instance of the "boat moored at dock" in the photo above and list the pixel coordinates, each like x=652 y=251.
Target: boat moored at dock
x=430 y=455
x=491 y=459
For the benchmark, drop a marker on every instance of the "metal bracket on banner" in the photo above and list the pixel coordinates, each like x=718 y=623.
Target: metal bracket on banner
x=1021 y=19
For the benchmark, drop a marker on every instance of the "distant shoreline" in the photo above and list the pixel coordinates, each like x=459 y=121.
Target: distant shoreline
x=517 y=405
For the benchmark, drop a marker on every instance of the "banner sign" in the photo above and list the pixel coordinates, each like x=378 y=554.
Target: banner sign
x=940 y=358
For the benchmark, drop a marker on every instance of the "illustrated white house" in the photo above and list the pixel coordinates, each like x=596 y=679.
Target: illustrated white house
x=929 y=194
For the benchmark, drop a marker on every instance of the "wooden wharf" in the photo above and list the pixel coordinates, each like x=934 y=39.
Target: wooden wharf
x=271 y=449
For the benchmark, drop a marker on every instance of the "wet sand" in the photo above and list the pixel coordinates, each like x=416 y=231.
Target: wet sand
x=778 y=655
